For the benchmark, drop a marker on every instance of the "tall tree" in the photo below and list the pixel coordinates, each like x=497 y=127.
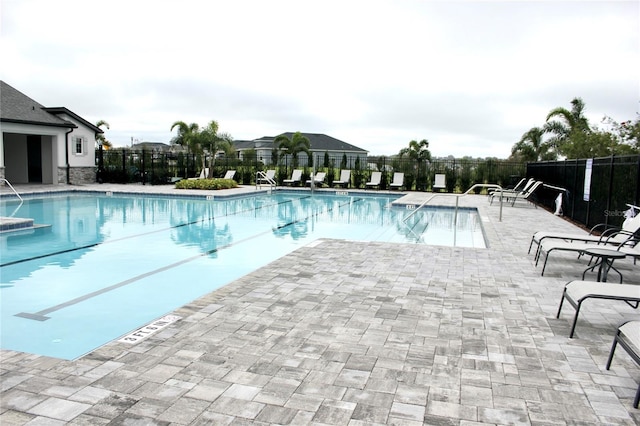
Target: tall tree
x=189 y=135
x=532 y=147
x=294 y=146
x=627 y=133
x=225 y=144
x=418 y=151
x=186 y=134
x=100 y=138
x=209 y=141
x=564 y=124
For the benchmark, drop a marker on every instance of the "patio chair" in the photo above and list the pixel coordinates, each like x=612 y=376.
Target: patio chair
x=376 y=177
x=345 y=177
x=440 y=182
x=621 y=241
x=577 y=292
x=318 y=179
x=520 y=187
x=296 y=177
x=631 y=226
x=524 y=195
x=398 y=181
x=204 y=173
x=230 y=174
x=628 y=336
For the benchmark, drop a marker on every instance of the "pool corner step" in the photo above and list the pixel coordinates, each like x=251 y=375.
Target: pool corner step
x=13 y=224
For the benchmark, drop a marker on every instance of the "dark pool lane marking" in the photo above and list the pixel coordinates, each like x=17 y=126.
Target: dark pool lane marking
x=88 y=246
x=42 y=315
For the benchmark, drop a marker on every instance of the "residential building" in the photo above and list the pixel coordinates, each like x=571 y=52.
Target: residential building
x=319 y=145
x=41 y=144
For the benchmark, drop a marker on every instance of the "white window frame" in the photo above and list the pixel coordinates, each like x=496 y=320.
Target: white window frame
x=81 y=143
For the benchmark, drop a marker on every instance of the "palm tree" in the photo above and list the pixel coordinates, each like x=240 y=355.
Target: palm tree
x=187 y=135
x=100 y=139
x=531 y=146
x=297 y=144
x=566 y=123
x=208 y=137
x=418 y=151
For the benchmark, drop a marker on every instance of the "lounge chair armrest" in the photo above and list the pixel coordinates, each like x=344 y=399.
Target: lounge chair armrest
x=605 y=229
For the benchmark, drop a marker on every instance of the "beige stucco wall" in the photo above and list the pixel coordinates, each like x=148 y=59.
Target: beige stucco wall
x=13 y=160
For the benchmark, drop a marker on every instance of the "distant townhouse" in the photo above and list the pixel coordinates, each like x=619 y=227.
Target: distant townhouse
x=319 y=143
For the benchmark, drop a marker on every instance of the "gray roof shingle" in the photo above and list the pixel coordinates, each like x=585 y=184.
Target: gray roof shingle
x=318 y=142
x=16 y=107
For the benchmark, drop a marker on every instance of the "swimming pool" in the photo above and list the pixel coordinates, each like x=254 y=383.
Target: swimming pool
x=105 y=265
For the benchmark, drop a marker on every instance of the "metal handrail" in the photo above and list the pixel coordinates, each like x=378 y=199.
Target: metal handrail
x=17 y=195
x=477 y=185
x=263 y=176
x=12 y=188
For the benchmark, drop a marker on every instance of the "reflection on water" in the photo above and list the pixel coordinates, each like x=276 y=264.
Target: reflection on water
x=80 y=223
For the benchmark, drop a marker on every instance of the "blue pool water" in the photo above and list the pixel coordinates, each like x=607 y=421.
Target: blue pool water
x=103 y=266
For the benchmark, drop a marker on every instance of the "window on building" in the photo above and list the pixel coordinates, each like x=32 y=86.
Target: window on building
x=79 y=145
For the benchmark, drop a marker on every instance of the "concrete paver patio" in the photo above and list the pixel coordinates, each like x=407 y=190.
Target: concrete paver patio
x=357 y=333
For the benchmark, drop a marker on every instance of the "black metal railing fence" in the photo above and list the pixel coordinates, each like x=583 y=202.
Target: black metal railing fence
x=153 y=167
x=615 y=182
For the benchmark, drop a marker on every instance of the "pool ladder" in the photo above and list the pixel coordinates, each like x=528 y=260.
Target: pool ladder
x=455 y=218
x=477 y=185
x=3 y=180
x=262 y=176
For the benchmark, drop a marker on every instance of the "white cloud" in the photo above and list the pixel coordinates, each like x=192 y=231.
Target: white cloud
x=469 y=76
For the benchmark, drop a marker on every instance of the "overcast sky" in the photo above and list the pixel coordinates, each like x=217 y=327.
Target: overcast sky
x=469 y=76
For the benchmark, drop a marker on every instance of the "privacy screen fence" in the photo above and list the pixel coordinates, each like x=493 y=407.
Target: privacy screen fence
x=152 y=167
x=614 y=183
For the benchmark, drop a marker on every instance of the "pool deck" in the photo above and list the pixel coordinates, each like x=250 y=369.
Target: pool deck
x=351 y=333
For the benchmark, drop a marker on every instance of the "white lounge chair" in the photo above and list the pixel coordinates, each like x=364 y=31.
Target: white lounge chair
x=519 y=188
x=631 y=226
x=376 y=177
x=621 y=241
x=345 y=177
x=524 y=195
x=296 y=177
x=318 y=179
x=440 y=182
x=628 y=336
x=203 y=174
x=577 y=292
x=398 y=181
x=230 y=174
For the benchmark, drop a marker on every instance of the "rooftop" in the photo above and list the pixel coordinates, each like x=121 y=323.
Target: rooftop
x=350 y=333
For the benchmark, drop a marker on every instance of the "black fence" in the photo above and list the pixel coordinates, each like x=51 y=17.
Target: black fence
x=615 y=182
x=152 y=167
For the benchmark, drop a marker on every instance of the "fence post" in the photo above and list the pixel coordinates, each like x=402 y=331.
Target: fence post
x=637 y=198
x=610 y=191
x=125 y=176
x=575 y=188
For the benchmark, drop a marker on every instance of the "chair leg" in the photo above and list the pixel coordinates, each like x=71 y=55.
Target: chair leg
x=538 y=252
x=561 y=302
x=613 y=350
x=575 y=320
x=544 y=266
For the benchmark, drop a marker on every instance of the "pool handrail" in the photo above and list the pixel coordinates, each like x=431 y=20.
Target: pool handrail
x=262 y=176
x=15 y=192
x=477 y=185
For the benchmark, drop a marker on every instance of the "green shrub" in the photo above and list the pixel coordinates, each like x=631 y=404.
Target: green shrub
x=211 y=184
